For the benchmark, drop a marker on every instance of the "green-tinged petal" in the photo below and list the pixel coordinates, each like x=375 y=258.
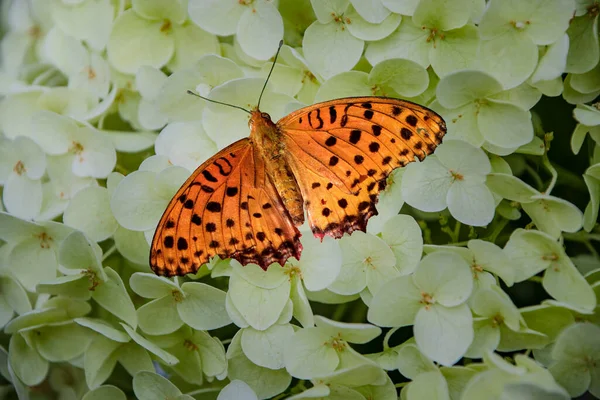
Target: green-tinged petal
x=444 y=334
x=442 y=15
x=326 y=10
x=566 y=284
x=151 y=386
x=135 y=42
x=203 y=306
x=105 y=392
x=320 y=262
x=32 y=263
x=64 y=52
x=216 y=16
x=510 y=187
x=159 y=316
x=372 y=11
x=212 y=353
x=486 y=338
x=259 y=307
x=270 y=279
x=411 y=362
x=361 y=28
x=89 y=211
x=62 y=342
x=353 y=333
x=237 y=390
x=151 y=286
x=516 y=133
x=259 y=30
x=444 y=276
x=402 y=297
x=471 y=203
x=532 y=251
x=132 y=245
x=456 y=51
x=330 y=48
x=104 y=328
x=90 y=21
x=543 y=21
x=553 y=215
x=308 y=355
x=524 y=96
x=587 y=82
x=166 y=357
x=191 y=43
x=26 y=362
x=408 y=42
x=301 y=307
x=99 y=360
x=112 y=296
x=462 y=87
x=583 y=44
x=403 y=235
x=265 y=348
x=546 y=319
x=553 y=62
x=491 y=258
x=138 y=203
x=159 y=10
x=425 y=185
x=428 y=385
x=345 y=84
x=22 y=196
x=495 y=304
x=461 y=122
x=405 y=77
x=14 y=295
x=497 y=55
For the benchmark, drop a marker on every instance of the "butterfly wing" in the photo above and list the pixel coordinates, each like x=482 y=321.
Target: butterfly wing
x=342 y=151
x=228 y=208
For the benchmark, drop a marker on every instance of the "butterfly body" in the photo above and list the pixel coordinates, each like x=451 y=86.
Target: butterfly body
x=329 y=160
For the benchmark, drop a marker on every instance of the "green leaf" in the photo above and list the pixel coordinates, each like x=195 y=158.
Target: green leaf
x=26 y=362
x=113 y=297
x=203 y=306
x=151 y=386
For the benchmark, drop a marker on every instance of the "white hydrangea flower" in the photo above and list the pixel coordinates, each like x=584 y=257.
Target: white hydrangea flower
x=453 y=178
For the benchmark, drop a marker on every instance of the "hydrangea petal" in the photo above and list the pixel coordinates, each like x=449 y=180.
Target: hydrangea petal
x=399 y=294
x=445 y=277
x=22 y=196
x=584 y=51
x=135 y=42
x=321 y=262
x=203 y=307
x=216 y=16
x=408 y=42
x=265 y=348
x=259 y=30
x=159 y=316
x=515 y=129
x=406 y=77
x=444 y=334
x=462 y=87
x=330 y=49
x=471 y=203
x=365 y=30
x=425 y=185
x=457 y=51
x=442 y=15
x=89 y=211
x=307 y=354
x=403 y=235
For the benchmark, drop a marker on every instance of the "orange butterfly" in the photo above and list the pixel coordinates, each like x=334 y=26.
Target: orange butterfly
x=331 y=158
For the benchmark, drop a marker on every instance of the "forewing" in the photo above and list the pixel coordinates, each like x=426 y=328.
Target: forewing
x=227 y=208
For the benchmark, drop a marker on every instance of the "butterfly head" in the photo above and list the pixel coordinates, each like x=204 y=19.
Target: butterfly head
x=259 y=119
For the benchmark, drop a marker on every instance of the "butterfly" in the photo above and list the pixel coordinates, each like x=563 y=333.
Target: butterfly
x=330 y=159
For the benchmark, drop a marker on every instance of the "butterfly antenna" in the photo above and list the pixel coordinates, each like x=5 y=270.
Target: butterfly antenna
x=268 y=76
x=218 y=102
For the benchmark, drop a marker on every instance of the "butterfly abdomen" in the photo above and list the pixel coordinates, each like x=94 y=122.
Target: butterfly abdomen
x=267 y=141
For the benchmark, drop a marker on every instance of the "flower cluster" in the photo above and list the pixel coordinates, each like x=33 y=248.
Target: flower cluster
x=479 y=278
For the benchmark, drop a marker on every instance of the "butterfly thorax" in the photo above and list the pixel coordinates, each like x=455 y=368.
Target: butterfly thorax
x=266 y=139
